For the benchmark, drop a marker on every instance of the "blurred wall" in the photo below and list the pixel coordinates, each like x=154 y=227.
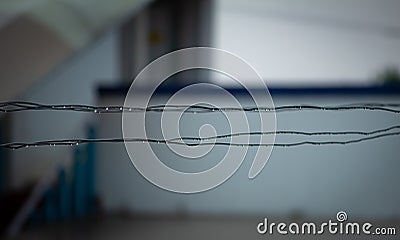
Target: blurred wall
x=28 y=50
x=163 y=27
x=74 y=82
x=313 y=42
x=360 y=179
x=37 y=36
x=134 y=41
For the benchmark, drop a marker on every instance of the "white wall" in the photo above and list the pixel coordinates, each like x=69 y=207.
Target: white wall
x=74 y=82
x=313 y=180
x=311 y=41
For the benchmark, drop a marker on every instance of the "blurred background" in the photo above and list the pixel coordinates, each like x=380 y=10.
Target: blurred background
x=88 y=52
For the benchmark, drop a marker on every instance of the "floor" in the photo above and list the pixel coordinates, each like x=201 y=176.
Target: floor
x=124 y=227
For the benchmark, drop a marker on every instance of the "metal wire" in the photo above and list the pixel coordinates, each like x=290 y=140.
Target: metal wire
x=18 y=106
x=197 y=141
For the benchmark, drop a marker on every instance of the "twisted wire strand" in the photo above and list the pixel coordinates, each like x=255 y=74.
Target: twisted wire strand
x=380 y=133
x=331 y=133
x=18 y=106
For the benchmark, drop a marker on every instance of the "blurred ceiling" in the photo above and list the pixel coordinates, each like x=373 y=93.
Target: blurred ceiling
x=37 y=35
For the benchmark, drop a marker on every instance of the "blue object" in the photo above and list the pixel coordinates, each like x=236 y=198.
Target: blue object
x=90 y=172
x=64 y=196
x=78 y=184
x=50 y=210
